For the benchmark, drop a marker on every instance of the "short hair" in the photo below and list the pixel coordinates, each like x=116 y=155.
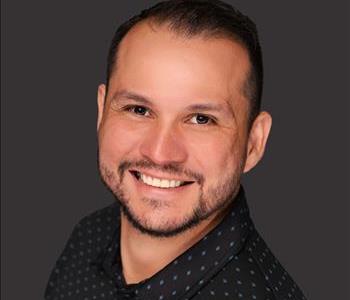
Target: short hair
x=211 y=18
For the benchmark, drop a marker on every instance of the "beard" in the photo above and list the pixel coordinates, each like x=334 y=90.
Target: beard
x=213 y=199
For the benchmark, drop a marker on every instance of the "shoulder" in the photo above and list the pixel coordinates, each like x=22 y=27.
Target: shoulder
x=104 y=218
x=264 y=269
x=252 y=273
x=95 y=231
x=89 y=238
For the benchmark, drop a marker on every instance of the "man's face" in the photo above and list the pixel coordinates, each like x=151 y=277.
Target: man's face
x=173 y=128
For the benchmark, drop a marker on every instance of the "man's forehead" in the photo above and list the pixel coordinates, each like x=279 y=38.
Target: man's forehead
x=146 y=37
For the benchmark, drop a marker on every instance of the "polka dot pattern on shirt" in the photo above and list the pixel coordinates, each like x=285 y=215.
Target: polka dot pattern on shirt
x=231 y=262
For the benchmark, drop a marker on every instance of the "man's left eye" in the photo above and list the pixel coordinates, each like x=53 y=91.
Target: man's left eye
x=201 y=119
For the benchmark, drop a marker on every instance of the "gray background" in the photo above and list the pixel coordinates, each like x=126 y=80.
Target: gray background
x=53 y=58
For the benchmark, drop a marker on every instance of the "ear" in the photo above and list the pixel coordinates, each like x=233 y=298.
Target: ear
x=257 y=140
x=101 y=95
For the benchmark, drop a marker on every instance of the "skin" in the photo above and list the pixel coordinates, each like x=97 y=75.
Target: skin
x=175 y=109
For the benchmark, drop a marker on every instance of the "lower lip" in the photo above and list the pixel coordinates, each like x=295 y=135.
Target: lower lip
x=156 y=190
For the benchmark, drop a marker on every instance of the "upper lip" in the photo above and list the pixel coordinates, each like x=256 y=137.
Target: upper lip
x=161 y=176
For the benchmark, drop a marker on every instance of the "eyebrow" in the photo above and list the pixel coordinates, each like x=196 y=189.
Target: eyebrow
x=132 y=96
x=208 y=107
x=193 y=107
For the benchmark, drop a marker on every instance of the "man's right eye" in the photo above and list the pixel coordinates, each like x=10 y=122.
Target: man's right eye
x=138 y=110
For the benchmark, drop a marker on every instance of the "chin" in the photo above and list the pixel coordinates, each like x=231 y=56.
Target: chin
x=163 y=222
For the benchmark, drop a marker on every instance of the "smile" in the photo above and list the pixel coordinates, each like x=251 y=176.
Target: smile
x=159 y=182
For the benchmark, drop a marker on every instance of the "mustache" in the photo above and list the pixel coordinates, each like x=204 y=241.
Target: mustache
x=170 y=168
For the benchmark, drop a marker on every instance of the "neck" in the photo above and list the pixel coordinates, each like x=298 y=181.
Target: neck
x=144 y=255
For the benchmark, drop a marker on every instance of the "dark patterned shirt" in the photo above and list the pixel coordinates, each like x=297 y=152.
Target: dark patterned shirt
x=230 y=262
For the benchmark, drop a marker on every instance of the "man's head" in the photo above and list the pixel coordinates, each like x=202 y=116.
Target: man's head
x=209 y=19
x=180 y=122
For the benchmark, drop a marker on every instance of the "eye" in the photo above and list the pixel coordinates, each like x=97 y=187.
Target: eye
x=202 y=119
x=139 y=110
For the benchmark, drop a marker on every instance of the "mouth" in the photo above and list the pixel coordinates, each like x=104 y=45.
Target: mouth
x=159 y=182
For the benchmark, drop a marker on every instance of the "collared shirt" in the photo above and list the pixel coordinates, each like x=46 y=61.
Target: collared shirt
x=230 y=262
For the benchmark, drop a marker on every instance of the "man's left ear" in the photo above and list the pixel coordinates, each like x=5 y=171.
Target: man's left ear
x=257 y=139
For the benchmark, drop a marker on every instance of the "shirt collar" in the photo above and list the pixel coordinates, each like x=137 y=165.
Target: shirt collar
x=185 y=275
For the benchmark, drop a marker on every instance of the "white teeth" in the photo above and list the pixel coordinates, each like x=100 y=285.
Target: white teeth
x=147 y=180
x=162 y=183
x=156 y=182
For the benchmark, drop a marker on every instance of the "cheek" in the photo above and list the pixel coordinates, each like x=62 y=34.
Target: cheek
x=116 y=141
x=215 y=153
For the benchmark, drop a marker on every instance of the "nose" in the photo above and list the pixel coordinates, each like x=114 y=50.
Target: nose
x=163 y=145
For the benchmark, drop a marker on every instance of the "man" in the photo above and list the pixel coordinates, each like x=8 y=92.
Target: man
x=179 y=122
